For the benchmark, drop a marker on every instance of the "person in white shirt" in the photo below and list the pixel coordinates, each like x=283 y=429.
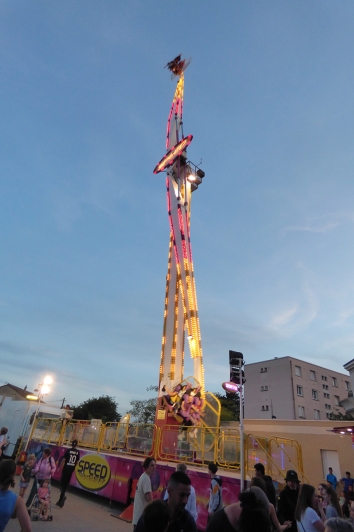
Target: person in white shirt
x=143 y=494
x=306 y=515
x=191 y=505
x=3 y=440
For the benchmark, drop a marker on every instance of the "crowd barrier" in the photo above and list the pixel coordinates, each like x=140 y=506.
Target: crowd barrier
x=170 y=443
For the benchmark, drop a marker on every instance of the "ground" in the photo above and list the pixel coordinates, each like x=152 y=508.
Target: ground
x=83 y=512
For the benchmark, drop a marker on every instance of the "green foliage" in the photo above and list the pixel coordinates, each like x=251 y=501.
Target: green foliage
x=143 y=411
x=339 y=416
x=103 y=407
x=230 y=406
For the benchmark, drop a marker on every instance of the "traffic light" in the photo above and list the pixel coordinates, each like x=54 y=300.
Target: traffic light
x=237 y=375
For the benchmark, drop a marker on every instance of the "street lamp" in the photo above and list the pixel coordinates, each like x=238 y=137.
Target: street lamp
x=43 y=389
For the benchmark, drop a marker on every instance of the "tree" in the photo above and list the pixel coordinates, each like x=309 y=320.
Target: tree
x=143 y=411
x=339 y=416
x=230 y=406
x=103 y=407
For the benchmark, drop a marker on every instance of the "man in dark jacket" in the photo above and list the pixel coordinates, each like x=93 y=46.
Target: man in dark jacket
x=259 y=472
x=179 y=488
x=70 y=461
x=288 y=499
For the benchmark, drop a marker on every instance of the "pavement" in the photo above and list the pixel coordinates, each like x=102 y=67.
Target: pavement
x=83 y=512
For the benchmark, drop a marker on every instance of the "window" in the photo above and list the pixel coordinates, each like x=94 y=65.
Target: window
x=264 y=388
x=328 y=415
x=301 y=411
x=327 y=407
x=315 y=395
x=312 y=375
x=266 y=407
x=298 y=371
x=324 y=378
x=325 y=386
x=347 y=386
x=335 y=382
x=336 y=400
x=300 y=391
x=264 y=370
x=317 y=414
x=326 y=395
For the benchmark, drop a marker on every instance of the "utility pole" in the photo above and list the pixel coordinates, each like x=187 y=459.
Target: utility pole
x=237 y=377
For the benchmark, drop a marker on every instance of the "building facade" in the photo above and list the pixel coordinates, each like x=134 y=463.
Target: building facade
x=320 y=447
x=348 y=402
x=289 y=388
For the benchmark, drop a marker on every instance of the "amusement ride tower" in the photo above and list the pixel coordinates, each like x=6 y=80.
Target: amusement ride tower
x=181 y=310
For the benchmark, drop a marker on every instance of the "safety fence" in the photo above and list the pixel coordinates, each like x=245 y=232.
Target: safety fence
x=171 y=443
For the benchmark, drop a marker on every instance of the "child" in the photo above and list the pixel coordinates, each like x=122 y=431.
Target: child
x=26 y=474
x=44 y=499
x=342 y=499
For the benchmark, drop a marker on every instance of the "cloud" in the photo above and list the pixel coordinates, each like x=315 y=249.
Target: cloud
x=343 y=316
x=322 y=224
x=298 y=316
x=285 y=316
x=325 y=228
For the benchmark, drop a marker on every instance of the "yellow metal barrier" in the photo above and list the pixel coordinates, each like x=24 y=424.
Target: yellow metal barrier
x=193 y=445
x=228 y=448
x=114 y=435
x=277 y=454
x=284 y=448
x=140 y=439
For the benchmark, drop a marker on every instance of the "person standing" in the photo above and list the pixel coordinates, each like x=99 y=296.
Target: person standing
x=10 y=503
x=248 y=515
x=3 y=441
x=156 y=516
x=191 y=505
x=287 y=501
x=215 y=500
x=44 y=469
x=347 y=481
x=26 y=474
x=179 y=488
x=143 y=494
x=332 y=479
x=330 y=500
x=306 y=514
x=259 y=472
x=70 y=461
x=337 y=524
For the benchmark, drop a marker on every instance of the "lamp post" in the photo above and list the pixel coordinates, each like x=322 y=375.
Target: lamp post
x=43 y=389
x=237 y=377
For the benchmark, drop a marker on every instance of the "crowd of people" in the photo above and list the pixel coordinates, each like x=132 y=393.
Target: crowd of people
x=299 y=507
x=41 y=471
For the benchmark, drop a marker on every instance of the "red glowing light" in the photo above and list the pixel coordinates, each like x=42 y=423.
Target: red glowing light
x=172 y=154
x=177 y=109
x=180 y=221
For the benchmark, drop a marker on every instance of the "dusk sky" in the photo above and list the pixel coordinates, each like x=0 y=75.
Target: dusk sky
x=269 y=99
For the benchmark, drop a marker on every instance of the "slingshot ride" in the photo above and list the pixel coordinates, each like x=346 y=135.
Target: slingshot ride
x=187 y=417
x=183 y=403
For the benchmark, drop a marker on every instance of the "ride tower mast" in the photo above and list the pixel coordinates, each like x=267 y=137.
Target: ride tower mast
x=181 y=318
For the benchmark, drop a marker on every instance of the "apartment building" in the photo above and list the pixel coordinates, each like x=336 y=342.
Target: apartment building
x=289 y=388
